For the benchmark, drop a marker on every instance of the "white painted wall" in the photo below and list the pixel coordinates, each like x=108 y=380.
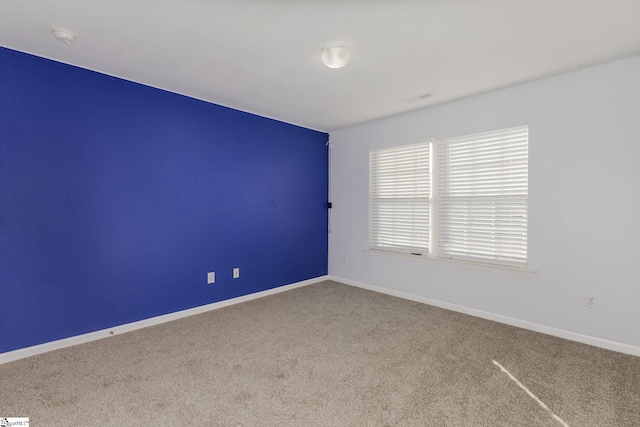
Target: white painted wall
x=584 y=203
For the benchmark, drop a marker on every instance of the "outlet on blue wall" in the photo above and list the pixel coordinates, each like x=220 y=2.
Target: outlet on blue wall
x=116 y=199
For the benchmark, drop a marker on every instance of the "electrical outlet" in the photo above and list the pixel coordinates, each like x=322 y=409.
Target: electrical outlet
x=236 y=273
x=591 y=301
x=211 y=277
x=345 y=259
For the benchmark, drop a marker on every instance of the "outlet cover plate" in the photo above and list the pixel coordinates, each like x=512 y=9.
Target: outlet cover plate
x=591 y=301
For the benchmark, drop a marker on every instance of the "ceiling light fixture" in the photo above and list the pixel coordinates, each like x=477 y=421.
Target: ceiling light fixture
x=336 y=56
x=65 y=36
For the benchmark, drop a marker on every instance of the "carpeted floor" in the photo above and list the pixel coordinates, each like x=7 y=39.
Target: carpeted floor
x=326 y=355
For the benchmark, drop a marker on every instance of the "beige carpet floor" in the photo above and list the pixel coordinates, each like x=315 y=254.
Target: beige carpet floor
x=325 y=355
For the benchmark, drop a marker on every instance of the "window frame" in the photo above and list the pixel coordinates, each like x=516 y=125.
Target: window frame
x=434 y=250
x=391 y=209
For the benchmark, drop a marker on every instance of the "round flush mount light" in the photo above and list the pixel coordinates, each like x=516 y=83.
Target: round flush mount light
x=65 y=36
x=336 y=56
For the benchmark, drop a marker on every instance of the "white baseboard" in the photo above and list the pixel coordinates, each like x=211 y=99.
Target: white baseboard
x=116 y=330
x=128 y=327
x=561 y=333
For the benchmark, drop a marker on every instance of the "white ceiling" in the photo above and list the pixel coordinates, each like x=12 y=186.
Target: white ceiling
x=263 y=56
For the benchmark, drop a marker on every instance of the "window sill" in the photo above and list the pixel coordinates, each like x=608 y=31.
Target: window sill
x=459 y=263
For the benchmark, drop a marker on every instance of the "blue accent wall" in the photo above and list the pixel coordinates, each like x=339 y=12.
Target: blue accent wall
x=116 y=199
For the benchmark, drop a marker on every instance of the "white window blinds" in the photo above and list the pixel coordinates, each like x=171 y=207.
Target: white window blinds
x=400 y=187
x=482 y=197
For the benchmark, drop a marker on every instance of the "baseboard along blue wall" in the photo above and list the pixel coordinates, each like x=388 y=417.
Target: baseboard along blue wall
x=116 y=199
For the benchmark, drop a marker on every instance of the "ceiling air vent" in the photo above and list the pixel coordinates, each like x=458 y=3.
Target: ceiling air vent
x=420 y=97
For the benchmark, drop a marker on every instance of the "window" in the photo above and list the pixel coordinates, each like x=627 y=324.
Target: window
x=461 y=198
x=400 y=193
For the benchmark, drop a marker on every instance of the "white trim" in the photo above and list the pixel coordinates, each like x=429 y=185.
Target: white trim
x=518 y=271
x=548 y=330
x=21 y=353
